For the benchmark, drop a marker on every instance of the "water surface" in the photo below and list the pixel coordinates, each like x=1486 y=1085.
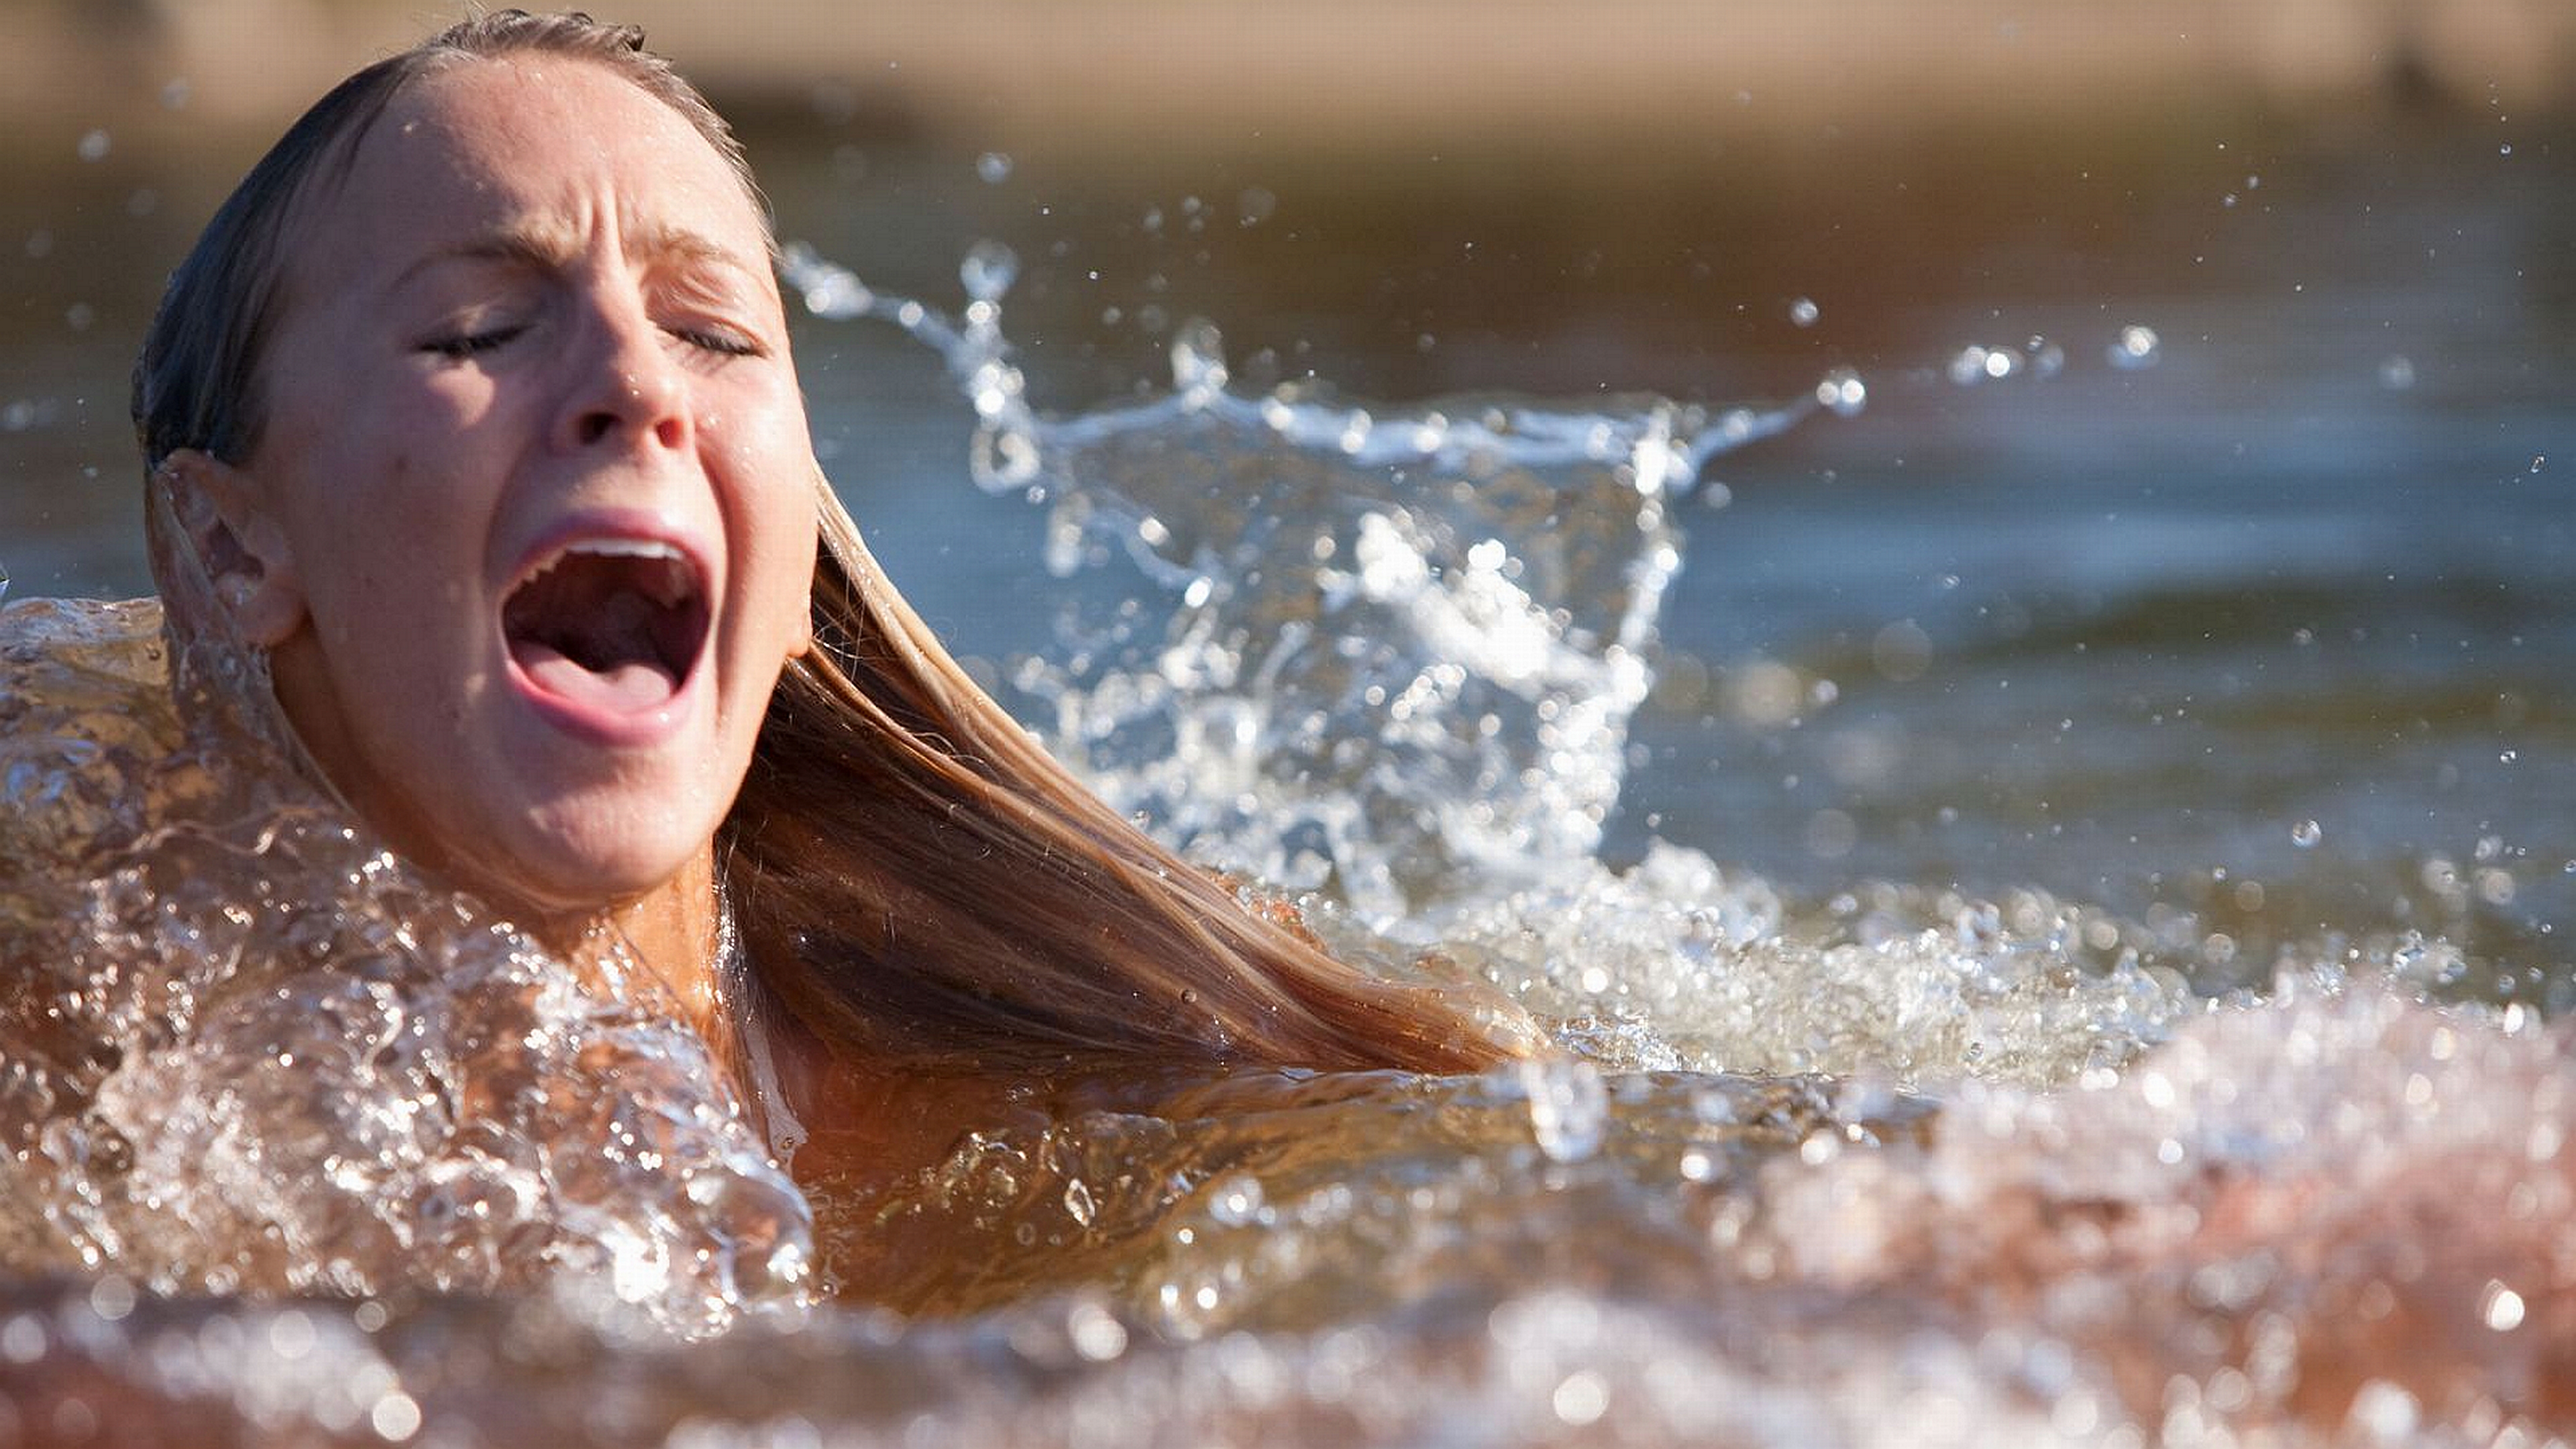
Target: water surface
x=1988 y=855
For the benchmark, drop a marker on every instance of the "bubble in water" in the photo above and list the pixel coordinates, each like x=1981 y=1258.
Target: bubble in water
x=994 y=167
x=94 y=145
x=2396 y=372
x=1804 y=312
x=2137 y=347
x=2306 y=834
x=988 y=270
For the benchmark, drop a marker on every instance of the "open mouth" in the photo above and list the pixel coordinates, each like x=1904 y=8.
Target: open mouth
x=614 y=625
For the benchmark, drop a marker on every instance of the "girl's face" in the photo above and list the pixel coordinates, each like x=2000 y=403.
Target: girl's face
x=533 y=505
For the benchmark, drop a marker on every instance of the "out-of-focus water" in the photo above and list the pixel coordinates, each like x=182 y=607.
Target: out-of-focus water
x=1988 y=853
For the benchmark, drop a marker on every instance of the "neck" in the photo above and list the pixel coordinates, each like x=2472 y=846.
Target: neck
x=670 y=933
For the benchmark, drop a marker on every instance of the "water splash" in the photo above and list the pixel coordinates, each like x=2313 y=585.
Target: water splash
x=1907 y=1167
x=248 y=1050
x=1395 y=650
x=1391 y=661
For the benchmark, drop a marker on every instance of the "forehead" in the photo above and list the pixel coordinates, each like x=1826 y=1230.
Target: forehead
x=521 y=139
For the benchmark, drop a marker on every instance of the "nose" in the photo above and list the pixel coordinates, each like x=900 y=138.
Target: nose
x=628 y=390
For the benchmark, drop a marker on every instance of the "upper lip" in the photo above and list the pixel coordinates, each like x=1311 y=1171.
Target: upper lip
x=614 y=530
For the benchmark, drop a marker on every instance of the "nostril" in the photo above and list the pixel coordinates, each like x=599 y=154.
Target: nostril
x=595 y=426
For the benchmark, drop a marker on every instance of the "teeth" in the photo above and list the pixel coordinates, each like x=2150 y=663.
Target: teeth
x=672 y=582
x=625 y=548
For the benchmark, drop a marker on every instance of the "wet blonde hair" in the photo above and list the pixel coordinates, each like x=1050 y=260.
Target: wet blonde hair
x=914 y=878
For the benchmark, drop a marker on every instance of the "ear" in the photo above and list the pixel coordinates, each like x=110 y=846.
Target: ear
x=239 y=540
x=803 y=643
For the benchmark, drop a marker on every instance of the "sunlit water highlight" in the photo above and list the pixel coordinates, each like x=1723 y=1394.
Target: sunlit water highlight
x=1902 y=1168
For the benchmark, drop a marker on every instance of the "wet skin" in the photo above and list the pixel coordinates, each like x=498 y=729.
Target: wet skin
x=536 y=322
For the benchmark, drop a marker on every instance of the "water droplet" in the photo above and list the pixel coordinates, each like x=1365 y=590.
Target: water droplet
x=1097 y=1334
x=1902 y=651
x=1831 y=834
x=2137 y=347
x=994 y=167
x=1569 y=1106
x=2505 y=150
x=1804 y=312
x=1843 y=391
x=2396 y=372
x=988 y=270
x=111 y=1298
x=23 y=1339
x=1581 y=1399
x=2501 y=1307
x=2306 y=834
x=1077 y=1202
x=1198 y=361
x=1977 y=363
x=1237 y=1201
x=1254 y=205
x=2388 y=1413
x=2539 y=461
x=94 y=146
x=395 y=1417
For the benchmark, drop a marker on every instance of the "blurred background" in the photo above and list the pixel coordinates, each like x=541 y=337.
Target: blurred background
x=2204 y=549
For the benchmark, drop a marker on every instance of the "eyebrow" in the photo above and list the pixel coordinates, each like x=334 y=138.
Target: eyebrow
x=551 y=248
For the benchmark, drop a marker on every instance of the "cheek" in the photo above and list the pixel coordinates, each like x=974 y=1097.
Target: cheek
x=773 y=506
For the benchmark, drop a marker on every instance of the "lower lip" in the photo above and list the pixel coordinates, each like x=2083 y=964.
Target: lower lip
x=612 y=729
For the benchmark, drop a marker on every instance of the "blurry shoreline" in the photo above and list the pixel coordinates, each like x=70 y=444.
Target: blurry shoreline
x=1104 y=77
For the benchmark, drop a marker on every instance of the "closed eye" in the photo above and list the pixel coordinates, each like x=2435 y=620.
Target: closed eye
x=718 y=340
x=470 y=344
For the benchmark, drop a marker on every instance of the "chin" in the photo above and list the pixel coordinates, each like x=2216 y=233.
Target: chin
x=573 y=867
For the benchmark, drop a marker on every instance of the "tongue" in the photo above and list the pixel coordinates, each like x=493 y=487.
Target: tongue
x=587 y=629
x=626 y=687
